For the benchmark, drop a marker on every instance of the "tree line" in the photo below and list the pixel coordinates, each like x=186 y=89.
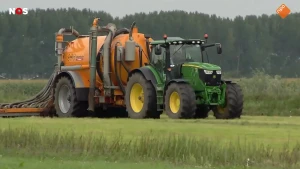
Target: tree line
x=264 y=42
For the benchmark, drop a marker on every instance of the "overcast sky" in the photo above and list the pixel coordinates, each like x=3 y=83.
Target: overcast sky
x=223 y=8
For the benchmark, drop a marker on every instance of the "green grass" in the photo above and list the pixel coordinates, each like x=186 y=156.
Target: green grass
x=269 y=130
x=32 y=163
x=265 y=141
x=52 y=163
x=268 y=142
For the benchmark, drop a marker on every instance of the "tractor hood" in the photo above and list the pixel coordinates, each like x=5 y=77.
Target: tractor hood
x=206 y=66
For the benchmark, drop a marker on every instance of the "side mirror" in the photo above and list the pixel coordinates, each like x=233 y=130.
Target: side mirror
x=158 y=50
x=219 y=49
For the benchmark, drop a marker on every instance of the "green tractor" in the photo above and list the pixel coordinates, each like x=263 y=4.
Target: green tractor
x=179 y=82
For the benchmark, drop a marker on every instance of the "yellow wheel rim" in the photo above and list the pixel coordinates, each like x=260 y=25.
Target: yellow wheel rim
x=174 y=102
x=137 y=98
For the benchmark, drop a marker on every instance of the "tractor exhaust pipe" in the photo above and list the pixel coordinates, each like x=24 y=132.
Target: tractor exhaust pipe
x=93 y=55
x=59 y=42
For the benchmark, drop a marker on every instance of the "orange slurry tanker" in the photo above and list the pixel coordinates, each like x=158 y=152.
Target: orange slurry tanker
x=101 y=80
x=79 y=84
x=126 y=73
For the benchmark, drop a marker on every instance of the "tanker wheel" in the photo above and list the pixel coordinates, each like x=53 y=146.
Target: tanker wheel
x=233 y=103
x=140 y=98
x=180 y=101
x=66 y=104
x=201 y=112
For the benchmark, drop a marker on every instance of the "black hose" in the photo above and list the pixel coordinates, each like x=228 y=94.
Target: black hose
x=109 y=50
x=148 y=49
x=121 y=31
x=123 y=64
x=116 y=72
x=118 y=32
x=100 y=74
x=98 y=64
x=140 y=56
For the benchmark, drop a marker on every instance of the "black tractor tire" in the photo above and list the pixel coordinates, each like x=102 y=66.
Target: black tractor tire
x=180 y=101
x=63 y=109
x=234 y=103
x=202 y=112
x=140 y=98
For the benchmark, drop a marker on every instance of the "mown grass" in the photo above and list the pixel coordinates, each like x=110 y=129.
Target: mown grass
x=51 y=163
x=269 y=130
x=263 y=94
x=254 y=141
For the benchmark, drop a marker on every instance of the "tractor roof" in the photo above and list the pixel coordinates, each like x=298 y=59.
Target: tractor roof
x=178 y=41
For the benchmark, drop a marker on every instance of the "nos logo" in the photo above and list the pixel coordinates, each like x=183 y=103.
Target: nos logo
x=18 y=11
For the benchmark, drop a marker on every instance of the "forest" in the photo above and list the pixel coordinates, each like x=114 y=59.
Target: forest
x=250 y=43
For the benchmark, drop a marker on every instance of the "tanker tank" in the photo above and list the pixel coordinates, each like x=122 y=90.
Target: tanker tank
x=129 y=47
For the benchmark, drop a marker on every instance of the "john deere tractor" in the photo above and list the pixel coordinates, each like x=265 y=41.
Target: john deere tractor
x=178 y=81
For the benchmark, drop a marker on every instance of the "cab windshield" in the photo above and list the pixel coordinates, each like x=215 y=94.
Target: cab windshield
x=185 y=53
x=180 y=54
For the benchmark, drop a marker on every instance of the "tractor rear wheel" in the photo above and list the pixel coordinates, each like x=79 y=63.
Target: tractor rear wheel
x=140 y=98
x=65 y=101
x=233 y=103
x=180 y=101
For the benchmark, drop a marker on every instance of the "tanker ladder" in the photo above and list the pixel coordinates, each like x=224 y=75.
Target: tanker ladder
x=39 y=105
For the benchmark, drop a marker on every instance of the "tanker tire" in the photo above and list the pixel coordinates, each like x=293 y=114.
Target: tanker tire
x=76 y=108
x=186 y=97
x=234 y=103
x=146 y=108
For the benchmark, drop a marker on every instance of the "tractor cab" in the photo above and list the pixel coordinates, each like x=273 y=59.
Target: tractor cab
x=172 y=54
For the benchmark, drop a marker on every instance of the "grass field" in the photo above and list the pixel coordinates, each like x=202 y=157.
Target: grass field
x=255 y=141
x=259 y=142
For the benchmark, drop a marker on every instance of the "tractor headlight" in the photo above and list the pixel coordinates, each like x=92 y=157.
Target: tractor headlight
x=209 y=72
x=219 y=72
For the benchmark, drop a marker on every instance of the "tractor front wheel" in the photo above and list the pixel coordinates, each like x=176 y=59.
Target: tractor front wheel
x=180 y=101
x=233 y=103
x=140 y=98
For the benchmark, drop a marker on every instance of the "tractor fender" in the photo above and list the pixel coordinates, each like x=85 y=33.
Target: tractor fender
x=147 y=73
x=81 y=90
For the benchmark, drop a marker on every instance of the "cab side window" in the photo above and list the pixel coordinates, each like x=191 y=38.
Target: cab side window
x=158 y=60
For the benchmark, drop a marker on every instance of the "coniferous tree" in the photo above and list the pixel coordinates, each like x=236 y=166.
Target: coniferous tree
x=254 y=42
